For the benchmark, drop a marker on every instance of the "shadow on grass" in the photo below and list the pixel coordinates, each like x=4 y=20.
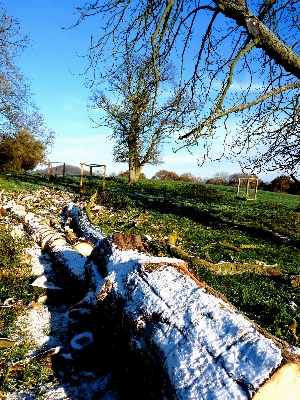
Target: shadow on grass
x=57 y=182
x=206 y=217
x=163 y=203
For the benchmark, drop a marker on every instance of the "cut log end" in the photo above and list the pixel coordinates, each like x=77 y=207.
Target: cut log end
x=283 y=385
x=84 y=248
x=56 y=242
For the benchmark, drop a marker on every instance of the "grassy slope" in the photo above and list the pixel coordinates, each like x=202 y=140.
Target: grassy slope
x=212 y=215
x=204 y=216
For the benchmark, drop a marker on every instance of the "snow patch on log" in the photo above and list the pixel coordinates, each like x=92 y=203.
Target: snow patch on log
x=81 y=224
x=206 y=347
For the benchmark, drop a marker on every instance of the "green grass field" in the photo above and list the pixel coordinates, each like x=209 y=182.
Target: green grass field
x=211 y=224
x=216 y=226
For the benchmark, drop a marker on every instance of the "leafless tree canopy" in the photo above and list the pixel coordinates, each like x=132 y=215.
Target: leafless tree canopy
x=239 y=60
x=140 y=124
x=14 y=93
x=18 y=113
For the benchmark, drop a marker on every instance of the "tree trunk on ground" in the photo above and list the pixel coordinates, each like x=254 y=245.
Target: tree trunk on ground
x=178 y=341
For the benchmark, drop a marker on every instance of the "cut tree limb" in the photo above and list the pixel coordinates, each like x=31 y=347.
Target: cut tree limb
x=226 y=268
x=81 y=225
x=202 y=345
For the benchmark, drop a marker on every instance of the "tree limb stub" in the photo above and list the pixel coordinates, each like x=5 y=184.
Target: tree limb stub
x=228 y=268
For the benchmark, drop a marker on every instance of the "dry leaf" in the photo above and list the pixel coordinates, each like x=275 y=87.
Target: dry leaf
x=5 y=343
x=21 y=365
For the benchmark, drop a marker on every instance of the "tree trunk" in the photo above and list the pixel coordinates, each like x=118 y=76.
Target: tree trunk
x=296 y=180
x=134 y=170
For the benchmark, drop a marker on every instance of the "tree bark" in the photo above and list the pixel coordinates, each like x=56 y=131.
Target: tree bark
x=273 y=47
x=134 y=171
x=295 y=180
x=192 y=343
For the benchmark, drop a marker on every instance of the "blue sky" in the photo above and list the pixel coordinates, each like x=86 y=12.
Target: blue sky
x=54 y=70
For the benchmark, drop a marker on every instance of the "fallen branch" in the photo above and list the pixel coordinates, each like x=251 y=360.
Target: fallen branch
x=224 y=268
x=81 y=225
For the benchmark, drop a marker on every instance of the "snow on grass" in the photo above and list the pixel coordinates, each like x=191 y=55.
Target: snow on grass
x=47 y=327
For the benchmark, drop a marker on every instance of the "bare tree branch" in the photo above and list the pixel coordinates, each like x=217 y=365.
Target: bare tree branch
x=239 y=60
x=274 y=48
x=241 y=107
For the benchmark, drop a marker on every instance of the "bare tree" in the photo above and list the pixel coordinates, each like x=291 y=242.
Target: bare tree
x=140 y=123
x=15 y=96
x=18 y=112
x=239 y=59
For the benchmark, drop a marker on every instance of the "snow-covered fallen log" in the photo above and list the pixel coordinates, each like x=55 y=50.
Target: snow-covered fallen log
x=81 y=224
x=67 y=259
x=155 y=317
x=202 y=347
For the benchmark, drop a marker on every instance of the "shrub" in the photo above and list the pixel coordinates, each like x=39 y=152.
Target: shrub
x=188 y=177
x=22 y=152
x=216 y=181
x=165 y=175
x=281 y=184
